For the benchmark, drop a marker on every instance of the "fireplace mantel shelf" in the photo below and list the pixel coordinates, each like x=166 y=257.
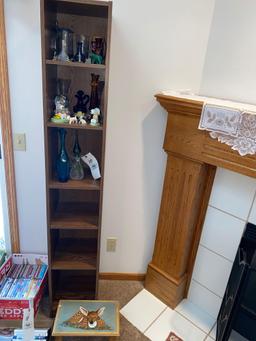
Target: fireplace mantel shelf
x=192 y=160
x=183 y=137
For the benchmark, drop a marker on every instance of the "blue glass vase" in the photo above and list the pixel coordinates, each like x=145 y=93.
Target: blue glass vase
x=63 y=165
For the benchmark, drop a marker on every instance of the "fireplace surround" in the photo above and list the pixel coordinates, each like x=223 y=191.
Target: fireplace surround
x=192 y=160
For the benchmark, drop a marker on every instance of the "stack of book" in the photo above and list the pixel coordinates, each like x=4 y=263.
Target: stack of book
x=9 y=334
x=39 y=334
x=22 y=281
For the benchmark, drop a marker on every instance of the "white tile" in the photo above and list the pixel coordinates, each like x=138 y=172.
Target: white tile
x=213 y=332
x=142 y=310
x=209 y=339
x=204 y=299
x=212 y=271
x=222 y=233
x=196 y=315
x=169 y=321
x=233 y=192
x=252 y=217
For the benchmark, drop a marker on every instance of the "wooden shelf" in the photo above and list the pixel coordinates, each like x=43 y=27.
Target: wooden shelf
x=85 y=184
x=75 y=207
x=73 y=126
x=74 y=284
x=75 y=254
x=76 y=64
x=75 y=216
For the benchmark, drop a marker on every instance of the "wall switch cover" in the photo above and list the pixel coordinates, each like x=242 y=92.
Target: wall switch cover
x=111 y=244
x=19 y=142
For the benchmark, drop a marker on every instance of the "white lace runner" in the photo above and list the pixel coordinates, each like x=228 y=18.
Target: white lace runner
x=234 y=127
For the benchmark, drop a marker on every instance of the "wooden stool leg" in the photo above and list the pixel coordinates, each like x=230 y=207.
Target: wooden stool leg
x=58 y=338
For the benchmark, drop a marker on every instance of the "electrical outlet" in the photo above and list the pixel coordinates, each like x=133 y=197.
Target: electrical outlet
x=19 y=142
x=111 y=244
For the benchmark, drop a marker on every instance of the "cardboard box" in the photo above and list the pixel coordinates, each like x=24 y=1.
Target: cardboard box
x=12 y=308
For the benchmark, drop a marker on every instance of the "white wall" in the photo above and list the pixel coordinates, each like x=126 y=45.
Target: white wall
x=24 y=64
x=229 y=72
x=155 y=46
x=230 y=67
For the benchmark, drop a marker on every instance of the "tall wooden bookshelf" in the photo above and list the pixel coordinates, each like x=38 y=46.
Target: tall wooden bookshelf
x=74 y=208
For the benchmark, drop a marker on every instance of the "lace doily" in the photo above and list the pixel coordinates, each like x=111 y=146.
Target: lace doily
x=233 y=127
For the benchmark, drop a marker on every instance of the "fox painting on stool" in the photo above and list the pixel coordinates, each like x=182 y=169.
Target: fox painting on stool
x=86 y=318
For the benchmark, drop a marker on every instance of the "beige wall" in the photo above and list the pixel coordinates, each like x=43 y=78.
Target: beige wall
x=155 y=46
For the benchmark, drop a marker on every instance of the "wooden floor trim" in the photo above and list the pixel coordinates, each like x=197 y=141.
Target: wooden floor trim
x=119 y=276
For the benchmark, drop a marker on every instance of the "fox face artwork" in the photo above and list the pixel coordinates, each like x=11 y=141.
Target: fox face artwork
x=87 y=319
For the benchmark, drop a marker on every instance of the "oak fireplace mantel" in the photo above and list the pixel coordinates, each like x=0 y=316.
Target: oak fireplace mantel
x=192 y=160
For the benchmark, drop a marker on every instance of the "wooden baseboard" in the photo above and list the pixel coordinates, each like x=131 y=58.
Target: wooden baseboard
x=117 y=276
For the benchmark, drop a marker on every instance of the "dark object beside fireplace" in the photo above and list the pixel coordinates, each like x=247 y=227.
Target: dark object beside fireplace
x=238 y=308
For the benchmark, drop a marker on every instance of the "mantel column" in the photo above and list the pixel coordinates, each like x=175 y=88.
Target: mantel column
x=184 y=192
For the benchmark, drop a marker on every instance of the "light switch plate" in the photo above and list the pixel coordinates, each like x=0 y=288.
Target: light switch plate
x=111 y=244
x=19 y=142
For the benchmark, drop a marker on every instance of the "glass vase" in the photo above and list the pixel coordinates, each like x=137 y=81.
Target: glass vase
x=77 y=171
x=63 y=165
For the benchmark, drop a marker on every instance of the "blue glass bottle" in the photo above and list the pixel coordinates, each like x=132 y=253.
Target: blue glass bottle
x=63 y=165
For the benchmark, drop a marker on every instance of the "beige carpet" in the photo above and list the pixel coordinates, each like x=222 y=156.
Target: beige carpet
x=122 y=291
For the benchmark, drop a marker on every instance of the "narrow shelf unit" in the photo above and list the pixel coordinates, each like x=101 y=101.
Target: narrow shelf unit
x=74 y=207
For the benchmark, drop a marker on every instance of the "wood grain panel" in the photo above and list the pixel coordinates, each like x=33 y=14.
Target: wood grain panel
x=192 y=160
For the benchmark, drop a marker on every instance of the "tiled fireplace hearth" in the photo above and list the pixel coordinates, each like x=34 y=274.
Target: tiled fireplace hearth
x=202 y=215
x=232 y=204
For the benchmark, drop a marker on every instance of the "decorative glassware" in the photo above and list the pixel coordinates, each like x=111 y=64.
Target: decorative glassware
x=81 y=106
x=76 y=148
x=64 y=44
x=61 y=102
x=82 y=49
x=77 y=171
x=98 y=48
x=94 y=99
x=79 y=56
x=62 y=163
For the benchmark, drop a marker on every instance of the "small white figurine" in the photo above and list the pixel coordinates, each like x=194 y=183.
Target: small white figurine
x=82 y=121
x=95 y=117
x=72 y=120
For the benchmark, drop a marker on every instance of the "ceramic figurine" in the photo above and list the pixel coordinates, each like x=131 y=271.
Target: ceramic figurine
x=82 y=120
x=73 y=120
x=95 y=117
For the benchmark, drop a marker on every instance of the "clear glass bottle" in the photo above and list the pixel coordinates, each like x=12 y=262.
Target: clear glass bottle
x=76 y=171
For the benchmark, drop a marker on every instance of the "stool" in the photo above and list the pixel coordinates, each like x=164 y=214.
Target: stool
x=84 y=318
